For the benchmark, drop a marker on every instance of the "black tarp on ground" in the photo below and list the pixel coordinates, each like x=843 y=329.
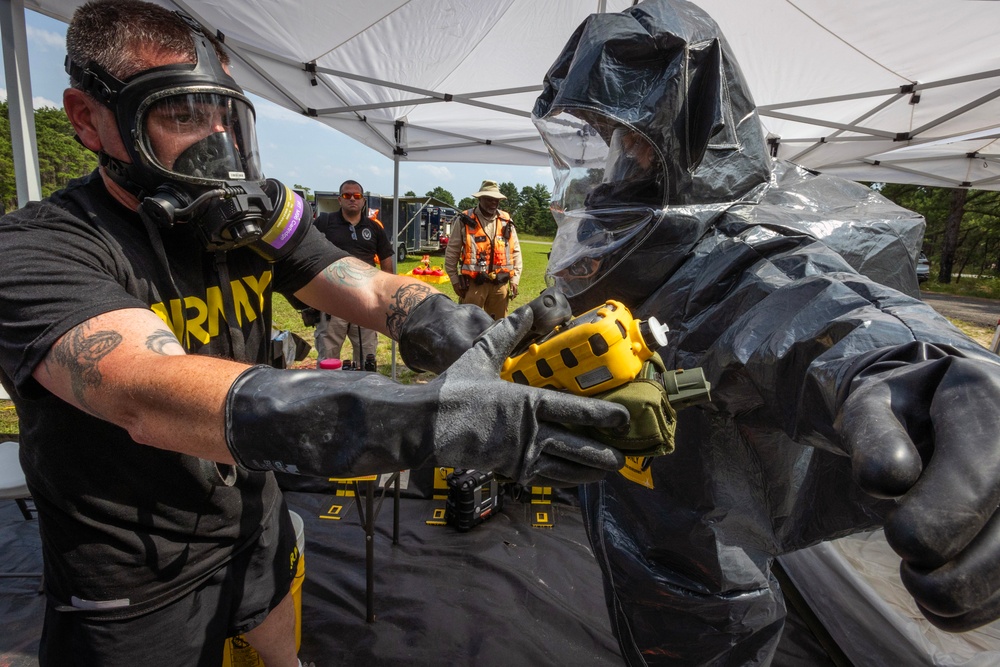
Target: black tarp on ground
x=504 y=593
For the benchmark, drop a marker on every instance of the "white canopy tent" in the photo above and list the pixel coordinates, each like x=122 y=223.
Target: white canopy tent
x=891 y=90
x=875 y=90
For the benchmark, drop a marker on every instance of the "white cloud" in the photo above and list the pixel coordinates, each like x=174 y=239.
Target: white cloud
x=438 y=172
x=37 y=36
x=38 y=102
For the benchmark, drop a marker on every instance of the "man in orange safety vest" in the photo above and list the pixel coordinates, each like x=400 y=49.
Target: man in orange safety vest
x=485 y=267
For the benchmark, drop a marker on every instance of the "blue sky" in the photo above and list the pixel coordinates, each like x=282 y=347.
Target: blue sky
x=295 y=149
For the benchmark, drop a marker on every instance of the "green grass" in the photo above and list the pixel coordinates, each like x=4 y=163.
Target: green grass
x=8 y=418
x=983 y=288
x=986 y=288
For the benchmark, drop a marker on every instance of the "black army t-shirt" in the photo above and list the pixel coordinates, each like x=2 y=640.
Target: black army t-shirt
x=122 y=521
x=367 y=241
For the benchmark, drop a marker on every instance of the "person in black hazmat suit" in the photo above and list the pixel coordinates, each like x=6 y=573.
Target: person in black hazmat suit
x=840 y=402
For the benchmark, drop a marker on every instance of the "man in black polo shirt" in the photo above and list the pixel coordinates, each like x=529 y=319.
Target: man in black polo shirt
x=363 y=237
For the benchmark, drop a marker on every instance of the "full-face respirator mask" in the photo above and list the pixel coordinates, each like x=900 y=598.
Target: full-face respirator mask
x=189 y=133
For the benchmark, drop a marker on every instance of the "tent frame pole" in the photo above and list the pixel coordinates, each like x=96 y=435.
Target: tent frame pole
x=19 y=106
x=399 y=128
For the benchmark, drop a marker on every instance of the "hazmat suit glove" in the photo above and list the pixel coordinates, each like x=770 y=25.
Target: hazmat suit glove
x=927 y=434
x=491 y=415
x=346 y=424
x=438 y=331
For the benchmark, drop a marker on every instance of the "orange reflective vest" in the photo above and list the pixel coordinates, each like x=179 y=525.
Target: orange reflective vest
x=484 y=257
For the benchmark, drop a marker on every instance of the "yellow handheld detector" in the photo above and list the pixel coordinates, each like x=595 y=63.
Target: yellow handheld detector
x=607 y=353
x=590 y=354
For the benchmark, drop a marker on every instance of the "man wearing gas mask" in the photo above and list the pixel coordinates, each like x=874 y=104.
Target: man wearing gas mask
x=840 y=402
x=133 y=302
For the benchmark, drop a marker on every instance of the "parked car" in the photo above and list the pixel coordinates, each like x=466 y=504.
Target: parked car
x=923 y=268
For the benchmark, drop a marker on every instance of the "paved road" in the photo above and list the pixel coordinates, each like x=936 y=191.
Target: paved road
x=981 y=312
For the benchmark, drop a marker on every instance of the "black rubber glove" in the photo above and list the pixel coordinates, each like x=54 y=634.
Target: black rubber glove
x=438 y=331
x=332 y=423
x=929 y=434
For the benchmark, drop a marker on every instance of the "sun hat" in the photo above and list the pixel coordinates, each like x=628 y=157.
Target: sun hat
x=489 y=189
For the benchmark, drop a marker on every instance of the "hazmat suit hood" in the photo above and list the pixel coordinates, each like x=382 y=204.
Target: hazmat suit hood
x=646 y=114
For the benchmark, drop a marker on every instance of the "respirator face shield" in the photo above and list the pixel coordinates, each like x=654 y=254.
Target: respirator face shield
x=198 y=144
x=203 y=136
x=194 y=147
x=609 y=193
x=193 y=158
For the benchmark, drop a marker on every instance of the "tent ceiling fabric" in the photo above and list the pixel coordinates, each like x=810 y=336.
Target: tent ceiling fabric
x=890 y=90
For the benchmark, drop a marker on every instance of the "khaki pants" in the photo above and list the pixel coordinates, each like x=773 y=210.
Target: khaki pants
x=491 y=297
x=331 y=332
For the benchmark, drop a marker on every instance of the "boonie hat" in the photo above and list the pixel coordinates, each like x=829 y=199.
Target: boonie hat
x=489 y=189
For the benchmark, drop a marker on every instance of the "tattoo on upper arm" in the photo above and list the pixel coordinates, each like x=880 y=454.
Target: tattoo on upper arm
x=349 y=271
x=404 y=300
x=160 y=339
x=80 y=352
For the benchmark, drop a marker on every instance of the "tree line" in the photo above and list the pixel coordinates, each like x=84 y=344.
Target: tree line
x=60 y=156
x=963 y=226
x=528 y=207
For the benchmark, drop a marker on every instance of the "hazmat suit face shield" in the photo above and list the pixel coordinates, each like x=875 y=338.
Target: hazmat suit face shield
x=601 y=163
x=589 y=245
x=633 y=173
x=610 y=196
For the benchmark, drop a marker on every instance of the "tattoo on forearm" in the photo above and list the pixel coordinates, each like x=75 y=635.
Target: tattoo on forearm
x=160 y=339
x=403 y=301
x=350 y=272
x=81 y=352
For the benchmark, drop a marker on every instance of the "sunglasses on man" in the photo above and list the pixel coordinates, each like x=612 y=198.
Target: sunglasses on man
x=352 y=195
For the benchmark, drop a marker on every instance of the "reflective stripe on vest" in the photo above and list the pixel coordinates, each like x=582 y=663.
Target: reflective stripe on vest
x=495 y=260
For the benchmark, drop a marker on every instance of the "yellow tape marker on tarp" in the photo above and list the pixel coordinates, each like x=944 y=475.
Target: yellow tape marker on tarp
x=636 y=470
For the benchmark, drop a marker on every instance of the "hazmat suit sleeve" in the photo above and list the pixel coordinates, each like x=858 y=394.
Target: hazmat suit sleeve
x=840 y=362
x=831 y=393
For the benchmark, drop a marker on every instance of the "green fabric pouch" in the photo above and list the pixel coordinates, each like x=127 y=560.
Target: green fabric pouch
x=651 y=429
